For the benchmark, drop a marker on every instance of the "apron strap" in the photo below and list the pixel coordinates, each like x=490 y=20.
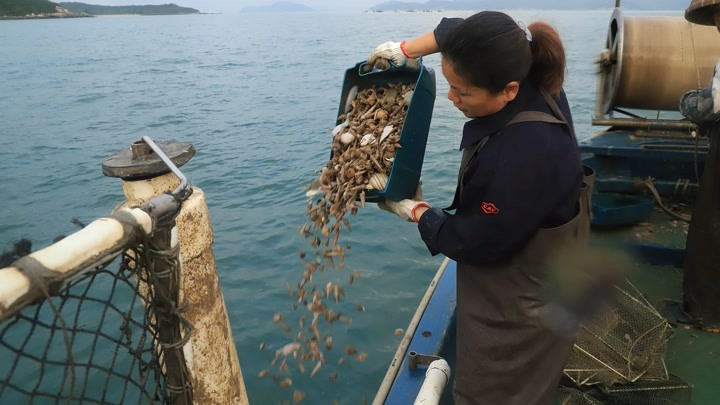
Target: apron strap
x=533 y=116
x=468 y=154
x=524 y=116
x=558 y=112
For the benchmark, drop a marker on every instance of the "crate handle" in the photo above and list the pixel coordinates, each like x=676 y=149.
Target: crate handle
x=393 y=66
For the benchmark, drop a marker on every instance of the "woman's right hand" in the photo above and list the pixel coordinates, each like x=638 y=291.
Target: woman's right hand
x=403 y=53
x=390 y=51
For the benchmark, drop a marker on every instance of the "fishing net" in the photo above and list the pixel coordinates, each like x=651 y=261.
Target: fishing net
x=625 y=341
x=96 y=338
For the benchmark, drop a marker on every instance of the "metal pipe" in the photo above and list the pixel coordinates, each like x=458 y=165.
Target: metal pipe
x=164 y=269
x=436 y=378
x=645 y=123
x=703 y=148
x=181 y=192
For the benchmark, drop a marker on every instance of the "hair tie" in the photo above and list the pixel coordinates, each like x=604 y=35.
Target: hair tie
x=525 y=29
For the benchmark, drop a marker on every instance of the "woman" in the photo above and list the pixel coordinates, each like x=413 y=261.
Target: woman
x=521 y=200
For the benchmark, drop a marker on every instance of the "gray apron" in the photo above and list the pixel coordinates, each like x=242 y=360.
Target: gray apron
x=506 y=354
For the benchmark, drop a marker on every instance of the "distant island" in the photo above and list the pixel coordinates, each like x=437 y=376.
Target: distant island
x=16 y=9
x=279 y=7
x=527 y=4
x=23 y=9
x=162 y=9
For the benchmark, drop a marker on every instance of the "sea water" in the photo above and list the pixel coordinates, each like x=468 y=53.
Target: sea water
x=257 y=95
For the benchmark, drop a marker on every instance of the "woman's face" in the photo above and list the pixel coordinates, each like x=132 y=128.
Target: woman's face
x=473 y=101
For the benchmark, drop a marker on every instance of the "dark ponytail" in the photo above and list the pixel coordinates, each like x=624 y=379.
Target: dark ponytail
x=489 y=50
x=548 y=68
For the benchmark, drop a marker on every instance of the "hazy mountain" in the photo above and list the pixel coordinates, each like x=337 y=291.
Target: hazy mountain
x=279 y=7
x=529 y=4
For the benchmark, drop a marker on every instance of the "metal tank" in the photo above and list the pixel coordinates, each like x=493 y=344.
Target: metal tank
x=650 y=62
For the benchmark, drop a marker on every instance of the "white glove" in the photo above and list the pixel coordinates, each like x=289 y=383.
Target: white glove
x=392 y=52
x=405 y=209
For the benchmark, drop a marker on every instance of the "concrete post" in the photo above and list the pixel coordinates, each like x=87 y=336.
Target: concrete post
x=211 y=354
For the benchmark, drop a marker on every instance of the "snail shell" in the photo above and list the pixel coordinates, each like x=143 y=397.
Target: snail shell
x=367 y=139
x=340 y=127
x=386 y=131
x=408 y=96
x=350 y=98
x=378 y=181
x=389 y=98
x=346 y=138
x=381 y=114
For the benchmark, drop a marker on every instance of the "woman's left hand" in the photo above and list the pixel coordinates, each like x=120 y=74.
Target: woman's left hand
x=402 y=208
x=410 y=209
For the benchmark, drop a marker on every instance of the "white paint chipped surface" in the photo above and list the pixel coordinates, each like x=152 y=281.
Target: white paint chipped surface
x=82 y=246
x=13 y=285
x=142 y=191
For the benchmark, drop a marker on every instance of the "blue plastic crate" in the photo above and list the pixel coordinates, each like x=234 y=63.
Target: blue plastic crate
x=407 y=166
x=614 y=209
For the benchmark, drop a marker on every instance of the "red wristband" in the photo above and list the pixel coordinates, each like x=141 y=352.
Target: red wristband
x=402 y=49
x=415 y=207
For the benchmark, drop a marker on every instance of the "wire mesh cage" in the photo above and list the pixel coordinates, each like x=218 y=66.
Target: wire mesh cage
x=673 y=391
x=574 y=396
x=625 y=341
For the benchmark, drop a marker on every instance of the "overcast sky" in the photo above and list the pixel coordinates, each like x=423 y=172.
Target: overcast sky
x=234 y=6
x=231 y=6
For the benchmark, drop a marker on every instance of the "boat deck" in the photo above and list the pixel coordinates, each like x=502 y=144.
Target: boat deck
x=692 y=355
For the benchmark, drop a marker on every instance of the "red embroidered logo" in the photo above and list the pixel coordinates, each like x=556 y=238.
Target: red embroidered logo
x=490 y=209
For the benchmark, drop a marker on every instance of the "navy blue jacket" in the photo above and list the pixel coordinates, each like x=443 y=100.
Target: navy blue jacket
x=527 y=176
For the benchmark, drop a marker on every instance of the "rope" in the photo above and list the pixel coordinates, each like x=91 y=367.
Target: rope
x=649 y=184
